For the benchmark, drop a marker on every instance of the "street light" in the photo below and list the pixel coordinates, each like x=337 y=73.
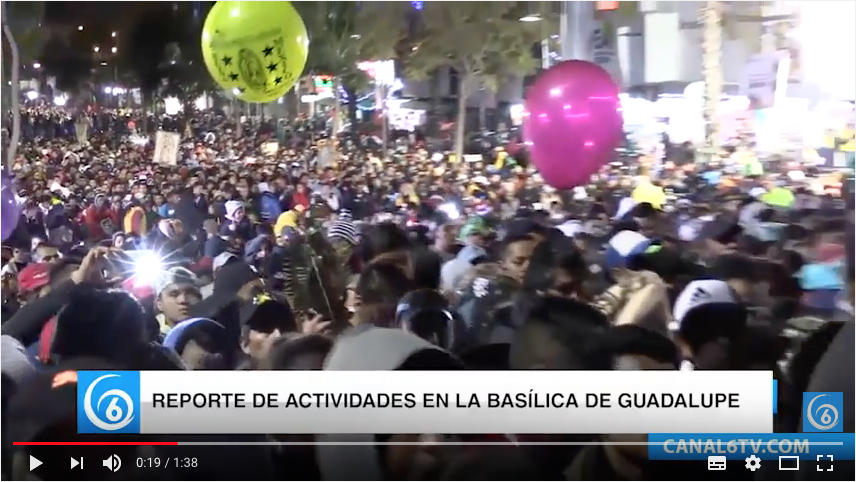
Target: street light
x=80 y=28
x=531 y=18
x=96 y=49
x=37 y=65
x=114 y=50
x=113 y=34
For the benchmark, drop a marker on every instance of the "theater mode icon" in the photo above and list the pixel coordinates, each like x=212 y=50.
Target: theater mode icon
x=716 y=462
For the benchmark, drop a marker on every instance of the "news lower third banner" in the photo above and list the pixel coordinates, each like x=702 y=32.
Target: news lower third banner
x=443 y=402
x=738 y=446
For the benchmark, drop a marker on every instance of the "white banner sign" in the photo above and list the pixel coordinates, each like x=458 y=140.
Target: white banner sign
x=760 y=80
x=603 y=49
x=425 y=402
x=166 y=148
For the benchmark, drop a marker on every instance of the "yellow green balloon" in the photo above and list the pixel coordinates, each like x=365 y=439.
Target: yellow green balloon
x=255 y=49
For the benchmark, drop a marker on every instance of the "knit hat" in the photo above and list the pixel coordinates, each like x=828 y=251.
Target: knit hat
x=231 y=208
x=344 y=229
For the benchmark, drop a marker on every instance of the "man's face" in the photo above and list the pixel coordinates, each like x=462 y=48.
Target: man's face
x=47 y=254
x=176 y=300
x=516 y=258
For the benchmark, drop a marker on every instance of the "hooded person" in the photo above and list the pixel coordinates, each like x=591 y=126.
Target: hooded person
x=237 y=223
x=371 y=348
x=473 y=235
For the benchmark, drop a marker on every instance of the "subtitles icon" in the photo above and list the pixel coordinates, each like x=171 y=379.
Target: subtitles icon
x=789 y=462
x=716 y=462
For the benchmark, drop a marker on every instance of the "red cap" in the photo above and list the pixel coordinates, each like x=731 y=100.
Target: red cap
x=34 y=276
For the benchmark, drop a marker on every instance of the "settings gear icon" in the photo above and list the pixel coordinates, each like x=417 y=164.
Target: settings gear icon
x=753 y=463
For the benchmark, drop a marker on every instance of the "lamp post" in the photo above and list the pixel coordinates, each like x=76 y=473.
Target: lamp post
x=712 y=71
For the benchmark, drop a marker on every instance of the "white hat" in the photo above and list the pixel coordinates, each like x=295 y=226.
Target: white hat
x=700 y=293
x=757 y=192
x=221 y=259
x=570 y=228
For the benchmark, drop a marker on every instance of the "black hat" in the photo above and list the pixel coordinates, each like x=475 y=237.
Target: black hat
x=485 y=305
x=266 y=314
x=426 y=313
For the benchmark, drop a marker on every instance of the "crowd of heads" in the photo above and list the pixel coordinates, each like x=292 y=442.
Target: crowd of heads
x=235 y=259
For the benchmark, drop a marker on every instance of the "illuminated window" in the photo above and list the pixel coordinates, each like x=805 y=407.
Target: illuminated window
x=605 y=6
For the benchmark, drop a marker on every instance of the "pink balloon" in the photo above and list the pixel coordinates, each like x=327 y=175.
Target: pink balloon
x=572 y=122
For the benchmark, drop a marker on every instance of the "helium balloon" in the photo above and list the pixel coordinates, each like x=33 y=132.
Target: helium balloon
x=255 y=49
x=571 y=122
x=10 y=211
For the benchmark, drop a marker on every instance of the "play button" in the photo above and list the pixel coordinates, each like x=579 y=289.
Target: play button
x=34 y=463
x=74 y=463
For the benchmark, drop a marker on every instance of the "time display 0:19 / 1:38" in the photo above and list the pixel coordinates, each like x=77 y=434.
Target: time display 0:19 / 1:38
x=166 y=462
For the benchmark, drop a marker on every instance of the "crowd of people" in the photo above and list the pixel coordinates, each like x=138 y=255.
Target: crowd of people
x=290 y=249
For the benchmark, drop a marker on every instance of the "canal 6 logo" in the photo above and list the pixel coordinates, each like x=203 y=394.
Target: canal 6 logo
x=108 y=402
x=822 y=411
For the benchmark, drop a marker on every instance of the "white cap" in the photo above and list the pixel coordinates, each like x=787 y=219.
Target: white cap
x=570 y=228
x=757 y=192
x=700 y=293
x=221 y=259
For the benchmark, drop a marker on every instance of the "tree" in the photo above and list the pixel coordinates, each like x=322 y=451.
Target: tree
x=145 y=54
x=71 y=67
x=185 y=73
x=342 y=34
x=21 y=22
x=482 y=41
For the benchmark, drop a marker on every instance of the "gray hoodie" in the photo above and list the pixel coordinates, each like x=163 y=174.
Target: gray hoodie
x=453 y=270
x=368 y=347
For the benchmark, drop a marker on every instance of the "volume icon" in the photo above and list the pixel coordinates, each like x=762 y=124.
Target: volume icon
x=113 y=463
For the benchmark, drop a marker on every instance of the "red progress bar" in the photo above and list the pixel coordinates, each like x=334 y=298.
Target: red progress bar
x=95 y=443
